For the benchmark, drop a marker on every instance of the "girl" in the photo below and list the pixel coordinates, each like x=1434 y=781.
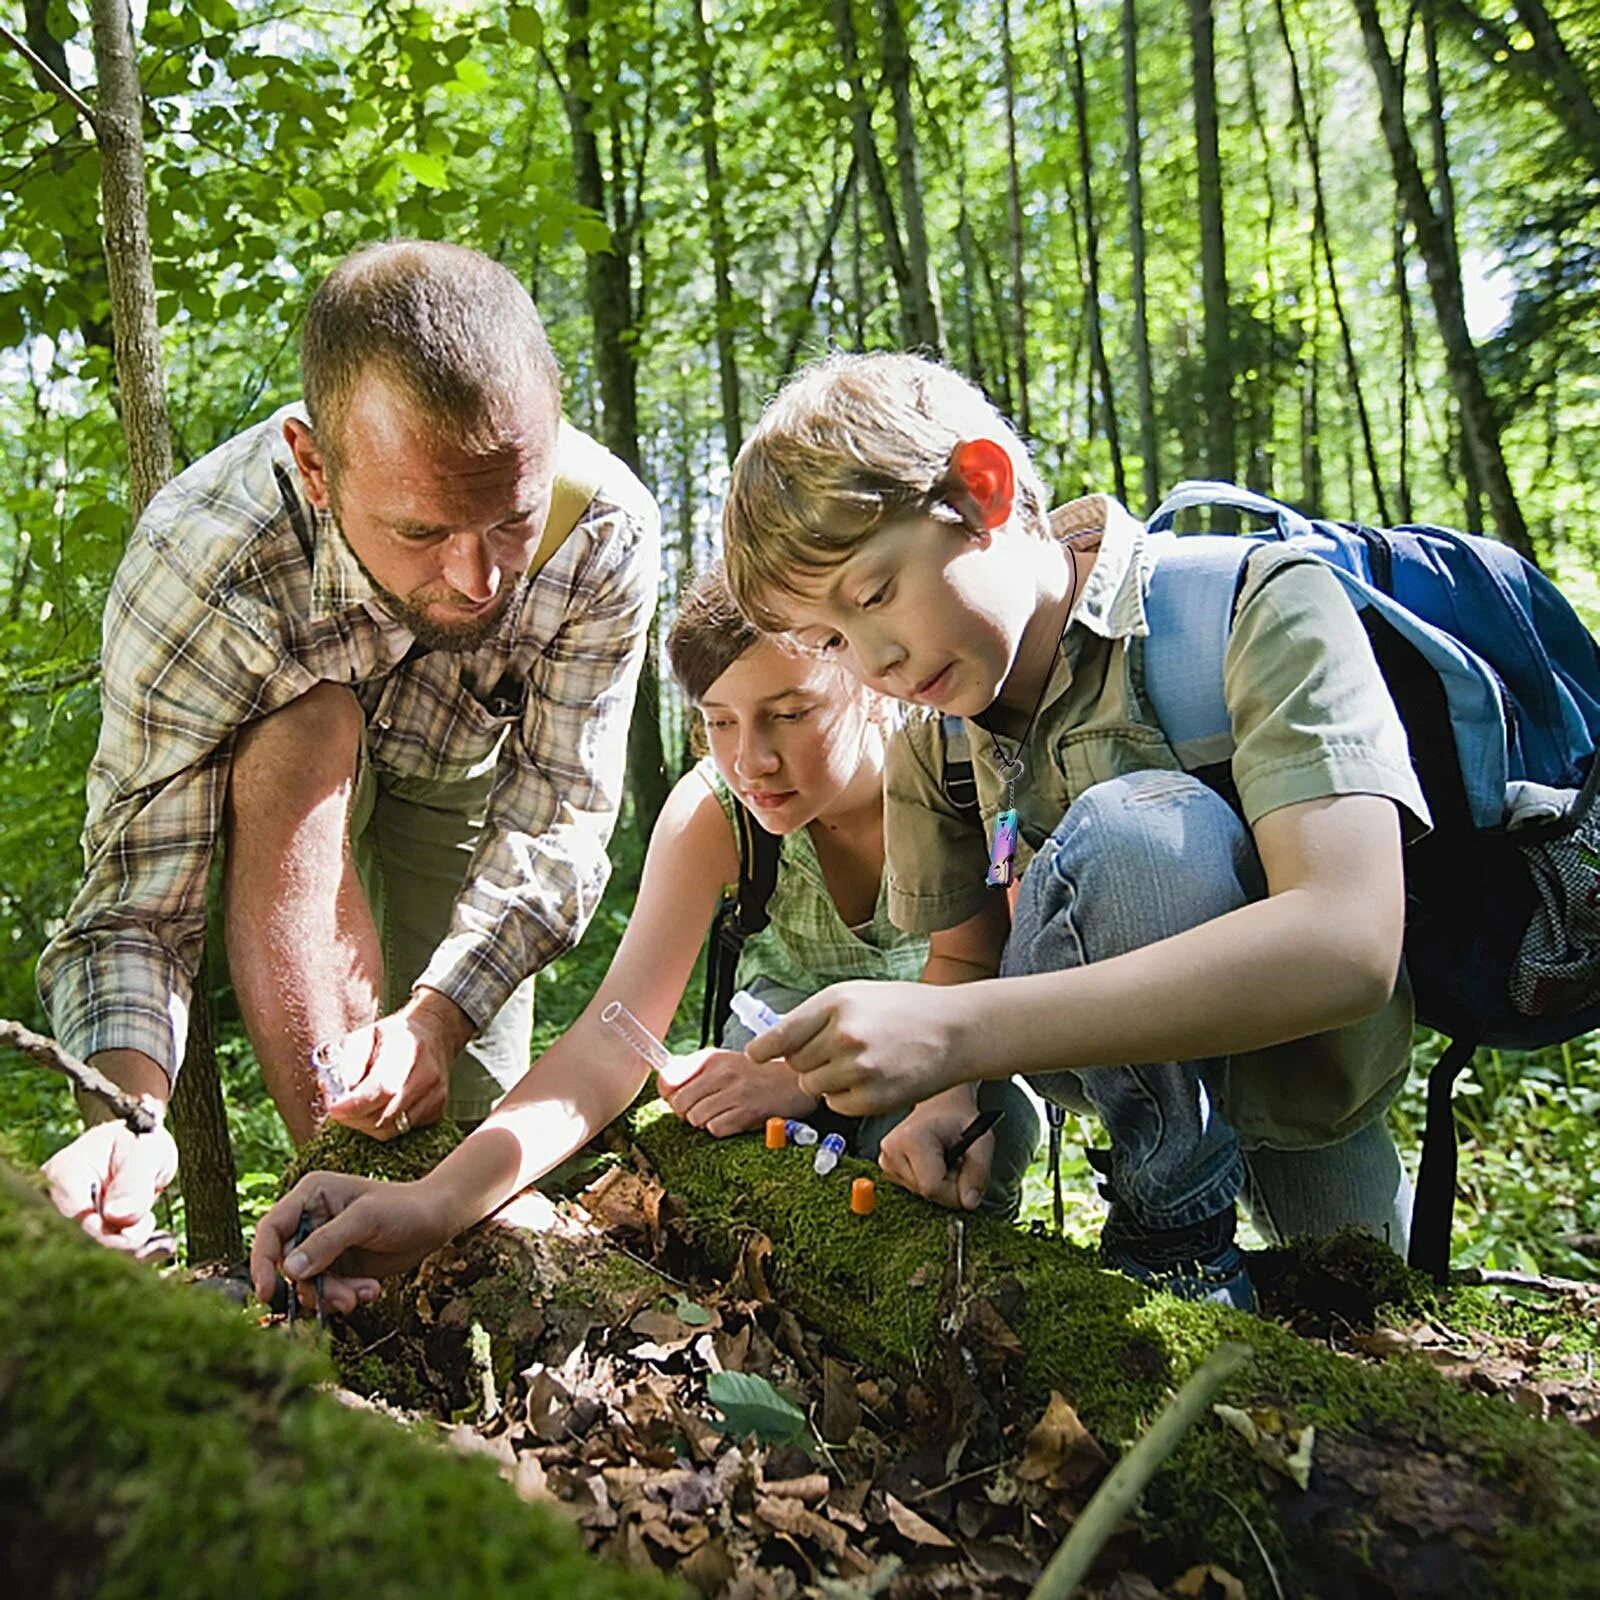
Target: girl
x=796 y=741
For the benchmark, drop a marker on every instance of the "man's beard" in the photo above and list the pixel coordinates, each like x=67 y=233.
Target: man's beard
x=430 y=633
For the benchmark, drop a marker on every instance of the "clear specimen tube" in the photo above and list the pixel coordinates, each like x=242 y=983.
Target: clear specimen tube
x=629 y=1028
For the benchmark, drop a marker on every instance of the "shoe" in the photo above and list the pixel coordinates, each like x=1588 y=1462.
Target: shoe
x=1200 y=1262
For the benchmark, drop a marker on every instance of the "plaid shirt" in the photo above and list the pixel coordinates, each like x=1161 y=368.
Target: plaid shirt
x=234 y=598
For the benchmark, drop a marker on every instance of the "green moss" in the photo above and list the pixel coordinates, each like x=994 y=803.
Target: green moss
x=1116 y=1350
x=336 y=1148
x=157 y=1444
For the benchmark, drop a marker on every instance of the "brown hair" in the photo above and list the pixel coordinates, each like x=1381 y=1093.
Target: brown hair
x=455 y=332
x=708 y=634
x=850 y=443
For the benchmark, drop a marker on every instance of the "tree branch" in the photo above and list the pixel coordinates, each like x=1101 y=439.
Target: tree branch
x=48 y=1053
x=48 y=76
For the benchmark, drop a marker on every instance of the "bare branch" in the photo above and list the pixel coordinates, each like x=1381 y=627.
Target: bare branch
x=48 y=1053
x=48 y=76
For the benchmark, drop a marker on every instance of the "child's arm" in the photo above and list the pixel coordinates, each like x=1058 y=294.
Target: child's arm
x=1321 y=950
x=584 y=1080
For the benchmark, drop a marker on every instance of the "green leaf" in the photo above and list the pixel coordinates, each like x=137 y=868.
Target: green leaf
x=751 y=1405
x=592 y=234
x=363 y=114
x=306 y=200
x=526 y=26
x=472 y=74
x=427 y=170
x=689 y=1314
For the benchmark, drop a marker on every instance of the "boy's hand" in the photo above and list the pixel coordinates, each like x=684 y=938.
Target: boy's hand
x=913 y=1151
x=870 y=1046
x=366 y=1231
x=726 y=1093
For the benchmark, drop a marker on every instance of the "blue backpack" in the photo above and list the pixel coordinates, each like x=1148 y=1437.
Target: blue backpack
x=1498 y=684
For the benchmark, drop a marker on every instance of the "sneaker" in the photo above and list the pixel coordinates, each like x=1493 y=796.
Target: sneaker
x=1200 y=1262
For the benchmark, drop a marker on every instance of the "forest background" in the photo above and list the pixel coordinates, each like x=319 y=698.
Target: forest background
x=1347 y=252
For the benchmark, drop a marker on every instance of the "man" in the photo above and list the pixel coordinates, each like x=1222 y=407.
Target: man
x=331 y=646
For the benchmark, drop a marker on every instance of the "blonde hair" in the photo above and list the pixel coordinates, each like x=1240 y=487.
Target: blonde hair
x=848 y=444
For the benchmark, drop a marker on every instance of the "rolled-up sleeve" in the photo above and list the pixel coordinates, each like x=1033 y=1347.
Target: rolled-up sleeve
x=540 y=865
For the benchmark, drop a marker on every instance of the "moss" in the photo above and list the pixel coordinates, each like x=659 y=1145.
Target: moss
x=336 y=1148
x=1116 y=1350
x=157 y=1444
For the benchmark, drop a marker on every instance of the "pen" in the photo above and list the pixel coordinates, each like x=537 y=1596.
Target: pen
x=974 y=1131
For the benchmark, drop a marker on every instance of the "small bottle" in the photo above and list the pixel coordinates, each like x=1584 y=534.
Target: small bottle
x=800 y=1132
x=639 y=1038
x=329 y=1078
x=828 y=1153
x=777 y=1133
x=752 y=1013
x=863 y=1197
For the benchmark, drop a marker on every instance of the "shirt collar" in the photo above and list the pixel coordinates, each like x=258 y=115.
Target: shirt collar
x=1111 y=602
x=337 y=581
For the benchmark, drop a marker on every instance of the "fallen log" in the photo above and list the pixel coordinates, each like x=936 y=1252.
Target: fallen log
x=155 y=1442
x=1413 y=1486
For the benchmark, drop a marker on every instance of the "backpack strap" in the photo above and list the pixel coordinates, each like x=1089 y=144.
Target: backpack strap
x=580 y=469
x=741 y=915
x=1436 y=1177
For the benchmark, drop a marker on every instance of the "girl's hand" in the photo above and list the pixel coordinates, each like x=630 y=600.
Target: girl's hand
x=871 y=1046
x=913 y=1151
x=724 y=1092
x=365 y=1230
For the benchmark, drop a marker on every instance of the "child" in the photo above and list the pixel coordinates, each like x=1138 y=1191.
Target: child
x=1245 y=962
x=802 y=745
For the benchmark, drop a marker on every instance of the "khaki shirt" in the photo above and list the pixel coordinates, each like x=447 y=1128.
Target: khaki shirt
x=1311 y=718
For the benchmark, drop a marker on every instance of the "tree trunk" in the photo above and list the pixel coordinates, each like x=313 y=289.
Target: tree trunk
x=199 y=1122
x=897 y=75
x=1408 y=363
x=830 y=231
x=1319 y=223
x=867 y=158
x=1217 y=369
x=608 y=281
x=1091 y=259
x=1478 y=419
x=717 y=221
x=1023 y=415
x=1149 y=447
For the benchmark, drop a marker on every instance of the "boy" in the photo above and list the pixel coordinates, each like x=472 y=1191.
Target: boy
x=1246 y=964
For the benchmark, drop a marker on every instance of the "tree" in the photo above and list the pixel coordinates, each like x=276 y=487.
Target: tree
x=1149 y=447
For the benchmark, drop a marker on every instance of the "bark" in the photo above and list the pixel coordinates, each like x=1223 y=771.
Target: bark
x=1408 y=363
x=717 y=225
x=1319 y=222
x=1149 y=444
x=969 y=276
x=897 y=75
x=1478 y=419
x=830 y=231
x=1091 y=259
x=1217 y=369
x=865 y=145
x=1023 y=413
x=84 y=1078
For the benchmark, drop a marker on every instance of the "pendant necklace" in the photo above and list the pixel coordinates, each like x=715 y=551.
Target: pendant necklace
x=1003 y=845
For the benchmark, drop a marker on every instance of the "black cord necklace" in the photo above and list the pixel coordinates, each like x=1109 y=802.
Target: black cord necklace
x=1003 y=844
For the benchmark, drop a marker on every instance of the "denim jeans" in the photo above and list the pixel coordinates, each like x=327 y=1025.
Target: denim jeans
x=1137 y=859
x=1016 y=1135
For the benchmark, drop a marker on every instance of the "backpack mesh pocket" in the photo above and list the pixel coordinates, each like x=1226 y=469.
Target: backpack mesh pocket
x=1557 y=968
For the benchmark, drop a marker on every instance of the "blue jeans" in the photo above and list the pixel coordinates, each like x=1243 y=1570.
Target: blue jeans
x=1016 y=1135
x=1135 y=860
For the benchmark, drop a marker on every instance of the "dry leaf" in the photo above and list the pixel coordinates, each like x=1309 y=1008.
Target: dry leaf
x=841 y=1407
x=1061 y=1453
x=1283 y=1448
x=812 y=1487
x=749 y=1282
x=1197 y=1581
x=789 y=1516
x=709 y=1568
x=918 y=1529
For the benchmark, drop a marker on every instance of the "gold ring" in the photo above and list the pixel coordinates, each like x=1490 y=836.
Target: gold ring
x=402 y=1122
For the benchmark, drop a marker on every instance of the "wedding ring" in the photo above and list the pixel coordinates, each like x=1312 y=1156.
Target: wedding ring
x=402 y=1122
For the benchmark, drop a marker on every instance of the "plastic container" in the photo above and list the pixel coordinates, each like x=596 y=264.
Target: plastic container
x=752 y=1013
x=828 y=1153
x=639 y=1038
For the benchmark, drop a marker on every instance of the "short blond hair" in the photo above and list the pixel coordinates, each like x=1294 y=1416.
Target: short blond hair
x=850 y=443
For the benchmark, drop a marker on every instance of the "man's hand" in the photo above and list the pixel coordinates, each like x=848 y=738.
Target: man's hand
x=913 y=1151
x=724 y=1092
x=108 y=1179
x=871 y=1046
x=397 y=1070
x=365 y=1231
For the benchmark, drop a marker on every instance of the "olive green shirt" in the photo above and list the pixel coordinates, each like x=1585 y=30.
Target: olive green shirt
x=1311 y=718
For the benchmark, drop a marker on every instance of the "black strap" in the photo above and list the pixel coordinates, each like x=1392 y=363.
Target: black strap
x=1056 y=1116
x=1435 y=1204
x=740 y=915
x=959 y=782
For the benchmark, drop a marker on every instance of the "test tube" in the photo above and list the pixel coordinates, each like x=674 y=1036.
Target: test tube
x=629 y=1028
x=828 y=1153
x=752 y=1013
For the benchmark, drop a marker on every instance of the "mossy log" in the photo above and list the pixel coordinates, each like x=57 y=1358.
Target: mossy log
x=154 y=1442
x=1418 y=1487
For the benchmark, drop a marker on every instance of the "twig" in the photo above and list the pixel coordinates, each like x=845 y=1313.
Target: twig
x=48 y=1053
x=1116 y=1496
x=1474 y=1276
x=47 y=75
x=1255 y=1538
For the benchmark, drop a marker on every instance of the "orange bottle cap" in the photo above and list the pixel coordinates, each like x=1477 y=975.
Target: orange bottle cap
x=777 y=1133
x=863 y=1197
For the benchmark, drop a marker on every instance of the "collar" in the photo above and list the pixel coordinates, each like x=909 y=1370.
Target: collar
x=1111 y=602
x=337 y=581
